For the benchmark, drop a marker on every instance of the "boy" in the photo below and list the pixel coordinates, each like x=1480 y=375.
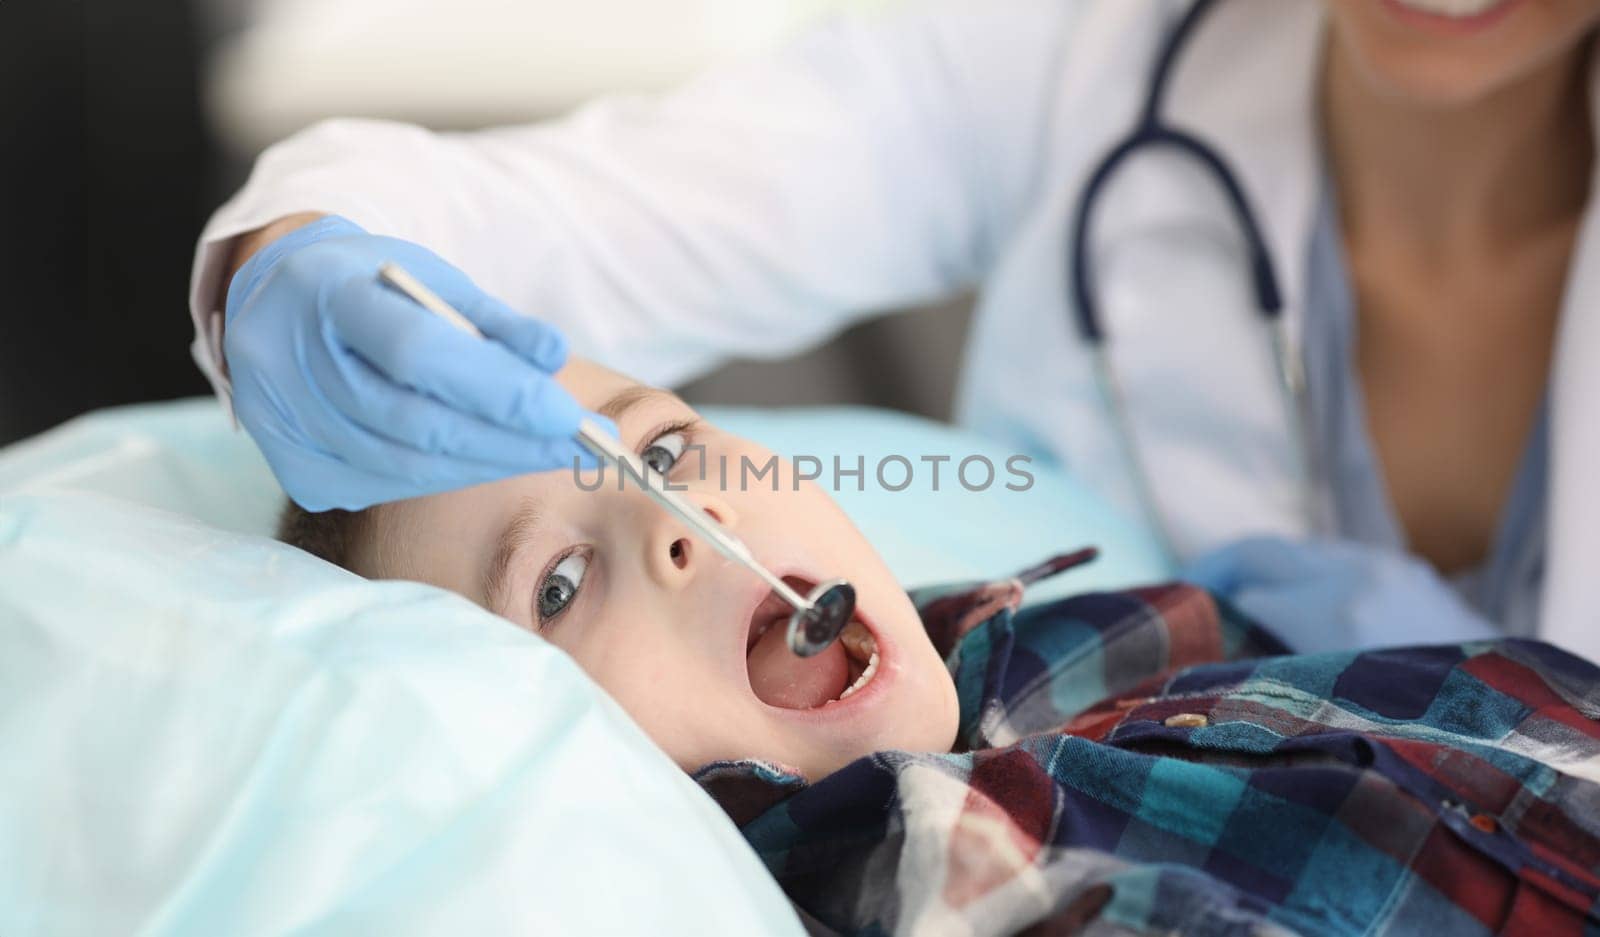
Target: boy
x=1115 y=763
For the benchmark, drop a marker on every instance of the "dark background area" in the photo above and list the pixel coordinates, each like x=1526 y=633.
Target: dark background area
x=106 y=175
x=110 y=167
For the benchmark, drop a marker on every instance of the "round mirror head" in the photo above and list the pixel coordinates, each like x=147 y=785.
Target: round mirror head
x=812 y=630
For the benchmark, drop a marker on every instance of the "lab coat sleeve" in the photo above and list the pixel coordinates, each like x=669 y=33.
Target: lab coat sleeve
x=870 y=164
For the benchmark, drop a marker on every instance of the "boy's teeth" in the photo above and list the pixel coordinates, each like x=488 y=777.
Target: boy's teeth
x=858 y=640
x=866 y=675
x=862 y=647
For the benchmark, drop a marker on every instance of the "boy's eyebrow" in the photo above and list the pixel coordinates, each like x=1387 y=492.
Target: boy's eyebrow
x=630 y=397
x=518 y=530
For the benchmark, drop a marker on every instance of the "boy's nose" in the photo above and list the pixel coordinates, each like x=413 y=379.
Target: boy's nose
x=672 y=553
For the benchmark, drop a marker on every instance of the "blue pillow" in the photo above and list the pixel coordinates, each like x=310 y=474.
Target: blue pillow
x=206 y=732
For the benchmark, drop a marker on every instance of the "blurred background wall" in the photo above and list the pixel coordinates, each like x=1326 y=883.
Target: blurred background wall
x=127 y=121
x=104 y=173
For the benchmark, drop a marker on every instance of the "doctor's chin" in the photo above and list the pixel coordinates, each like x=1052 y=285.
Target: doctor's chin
x=755 y=467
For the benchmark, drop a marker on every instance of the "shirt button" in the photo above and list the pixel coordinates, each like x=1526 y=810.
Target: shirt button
x=1186 y=721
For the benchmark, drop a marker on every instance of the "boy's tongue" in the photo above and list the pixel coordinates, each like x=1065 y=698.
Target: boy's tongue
x=784 y=680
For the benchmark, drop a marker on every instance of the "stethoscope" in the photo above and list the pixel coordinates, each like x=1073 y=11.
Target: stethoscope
x=1152 y=131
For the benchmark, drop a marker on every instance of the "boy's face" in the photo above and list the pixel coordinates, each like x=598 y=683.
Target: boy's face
x=688 y=642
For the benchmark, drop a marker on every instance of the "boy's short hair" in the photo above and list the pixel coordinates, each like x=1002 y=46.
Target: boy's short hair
x=326 y=535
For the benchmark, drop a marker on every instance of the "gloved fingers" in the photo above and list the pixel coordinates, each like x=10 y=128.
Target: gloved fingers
x=539 y=343
x=414 y=348
x=1253 y=560
x=319 y=481
x=420 y=423
x=1284 y=613
x=312 y=476
x=1416 y=606
x=266 y=260
x=368 y=469
x=1217 y=571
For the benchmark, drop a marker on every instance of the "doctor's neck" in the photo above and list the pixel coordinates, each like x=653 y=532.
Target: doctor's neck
x=1444 y=158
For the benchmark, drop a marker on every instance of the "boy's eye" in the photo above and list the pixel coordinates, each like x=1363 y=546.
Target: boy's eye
x=664 y=451
x=560 y=586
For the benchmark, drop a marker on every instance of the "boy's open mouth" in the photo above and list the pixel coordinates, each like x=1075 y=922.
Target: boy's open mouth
x=781 y=679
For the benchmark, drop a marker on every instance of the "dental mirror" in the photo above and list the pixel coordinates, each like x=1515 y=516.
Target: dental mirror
x=830 y=606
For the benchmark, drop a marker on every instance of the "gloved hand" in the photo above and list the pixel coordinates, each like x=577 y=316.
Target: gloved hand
x=1323 y=595
x=357 y=395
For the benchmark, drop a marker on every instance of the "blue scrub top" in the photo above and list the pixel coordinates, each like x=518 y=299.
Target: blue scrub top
x=1505 y=588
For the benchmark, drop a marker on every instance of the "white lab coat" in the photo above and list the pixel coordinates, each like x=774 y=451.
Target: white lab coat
x=871 y=165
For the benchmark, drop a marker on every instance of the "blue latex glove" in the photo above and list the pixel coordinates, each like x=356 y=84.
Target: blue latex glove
x=358 y=396
x=1331 y=595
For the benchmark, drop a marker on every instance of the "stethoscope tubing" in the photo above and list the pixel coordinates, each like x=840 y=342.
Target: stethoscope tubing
x=1153 y=132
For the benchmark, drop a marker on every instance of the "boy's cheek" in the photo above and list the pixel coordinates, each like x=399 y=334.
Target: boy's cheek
x=679 y=733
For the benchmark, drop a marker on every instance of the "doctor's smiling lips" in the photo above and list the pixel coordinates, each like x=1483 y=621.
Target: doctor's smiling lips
x=1453 y=17
x=1434 y=52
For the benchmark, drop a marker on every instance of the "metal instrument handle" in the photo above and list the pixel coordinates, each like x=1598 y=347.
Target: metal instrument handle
x=699 y=522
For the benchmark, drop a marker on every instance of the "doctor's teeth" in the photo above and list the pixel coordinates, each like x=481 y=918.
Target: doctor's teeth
x=1458 y=9
x=865 y=678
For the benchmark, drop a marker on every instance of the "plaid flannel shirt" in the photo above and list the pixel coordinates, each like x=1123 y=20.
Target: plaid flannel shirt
x=1149 y=761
